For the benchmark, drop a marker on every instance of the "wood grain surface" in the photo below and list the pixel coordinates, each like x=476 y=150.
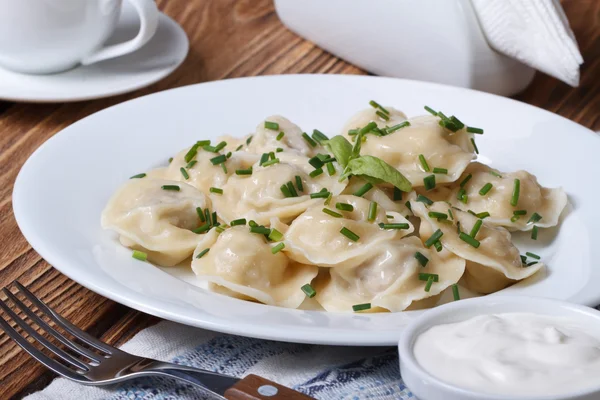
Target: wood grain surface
x=228 y=39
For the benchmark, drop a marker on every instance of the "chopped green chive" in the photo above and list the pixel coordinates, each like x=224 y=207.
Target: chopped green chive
x=220 y=146
x=277 y=248
x=438 y=246
x=485 y=189
x=372 y=212
x=383 y=116
x=496 y=174
x=202 y=253
x=515 y=194
x=534 y=232
x=532 y=263
x=523 y=259
x=464 y=181
x=191 y=153
x=434 y=238
x=397 y=194
x=263 y=159
x=278 y=150
x=214 y=218
x=475 y=146
x=330 y=169
x=349 y=234
x=423 y=199
x=316 y=172
x=388 y=216
x=431 y=111
x=361 y=307
x=271 y=162
x=239 y=147
x=207 y=215
x=520 y=212
x=275 y=235
x=455 y=293
x=421 y=259
x=394 y=128
x=472 y=129
x=515 y=218
x=462 y=196
x=210 y=149
x=201 y=143
x=482 y=215
x=285 y=190
x=533 y=255
x=171 y=187
x=202 y=228
x=457 y=122
x=274 y=126
x=200 y=213
x=319 y=136
x=249 y=139
x=252 y=223
x=469 y=240
x=309 y=291
x=221 y=228
x=236 y=222
x=247 y=171
x=437 y=170
x=423 y=162
x=394 y=226
x=429 y=283
x=332 y=213
x=367 y=128
x=363 y=189
x=218 y=159
x=216 y=190
x=429 y=182
x=316 y=162
x=184 y=173
x=280 y=136
x=328 y=199
x=375 y=104
x=139 y=255
x=535 y=217
x=138 y=176
x=344 y=207
x=437 y=215
x=191 y=164
x=260 y=229
x=476 y=228
x=320 y=195
x=450 y=215
x=353 y=132
x=423 y=276
x=310 y=140
x=299 y=183
x=407 y=204
x=224 y=168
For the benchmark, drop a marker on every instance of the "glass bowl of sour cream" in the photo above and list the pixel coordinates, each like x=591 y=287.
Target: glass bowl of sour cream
x=503 y=348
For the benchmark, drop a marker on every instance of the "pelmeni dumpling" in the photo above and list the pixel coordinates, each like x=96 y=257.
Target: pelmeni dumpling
x=533 y=198
x=381 y=195
x=440 y=147
x=202 y=174
x=315 y=238
x=495 y=264
x=389 y=277
x=259 y=196
x=264 y=140
x=156 y=221
x=364 y=117
x=240 y=264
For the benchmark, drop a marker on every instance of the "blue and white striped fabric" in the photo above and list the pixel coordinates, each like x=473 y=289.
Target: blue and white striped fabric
x=323 y=372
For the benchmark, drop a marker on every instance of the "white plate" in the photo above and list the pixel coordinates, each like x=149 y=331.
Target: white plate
x=156 y=59
x=62 y=189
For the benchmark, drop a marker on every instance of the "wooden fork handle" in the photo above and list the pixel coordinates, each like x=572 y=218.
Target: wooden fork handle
x=254 y=387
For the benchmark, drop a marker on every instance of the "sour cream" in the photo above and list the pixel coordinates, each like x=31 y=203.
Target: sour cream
x=513 y=354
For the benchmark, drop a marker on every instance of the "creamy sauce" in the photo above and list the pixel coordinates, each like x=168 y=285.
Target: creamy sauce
x=513 y=354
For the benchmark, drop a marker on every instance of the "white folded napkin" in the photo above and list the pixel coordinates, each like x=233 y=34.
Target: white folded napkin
x=535 y=32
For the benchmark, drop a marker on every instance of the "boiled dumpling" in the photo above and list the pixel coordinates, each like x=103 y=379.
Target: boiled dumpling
x=364 y=117
x=495 y=264
x=241 y=264
x=389 y=277
x=441 y=148
x=264 y=140
x=315 y=238
x=259 y=196
x=156 y=221
x=200 y=171
x=533 y=198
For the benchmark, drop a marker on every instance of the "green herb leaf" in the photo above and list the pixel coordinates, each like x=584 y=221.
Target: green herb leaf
x=373 y=167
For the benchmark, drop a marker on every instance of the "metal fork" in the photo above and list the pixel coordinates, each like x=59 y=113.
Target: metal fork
x=93 y=362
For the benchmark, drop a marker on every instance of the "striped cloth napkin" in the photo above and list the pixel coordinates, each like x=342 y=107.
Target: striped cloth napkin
x=323 y=372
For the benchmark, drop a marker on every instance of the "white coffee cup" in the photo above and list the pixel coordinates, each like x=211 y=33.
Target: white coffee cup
x=49 y=36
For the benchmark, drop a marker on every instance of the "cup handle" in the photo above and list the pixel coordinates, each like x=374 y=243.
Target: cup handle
x=149 y=14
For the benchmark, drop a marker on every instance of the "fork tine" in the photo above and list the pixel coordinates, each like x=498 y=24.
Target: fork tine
x=63 y=323
x=38 y=355
x=57 y=335
x=29 y=329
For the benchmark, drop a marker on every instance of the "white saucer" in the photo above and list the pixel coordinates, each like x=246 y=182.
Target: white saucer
x=157 y=59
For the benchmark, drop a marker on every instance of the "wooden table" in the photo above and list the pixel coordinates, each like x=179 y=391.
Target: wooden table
x=228 y=39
